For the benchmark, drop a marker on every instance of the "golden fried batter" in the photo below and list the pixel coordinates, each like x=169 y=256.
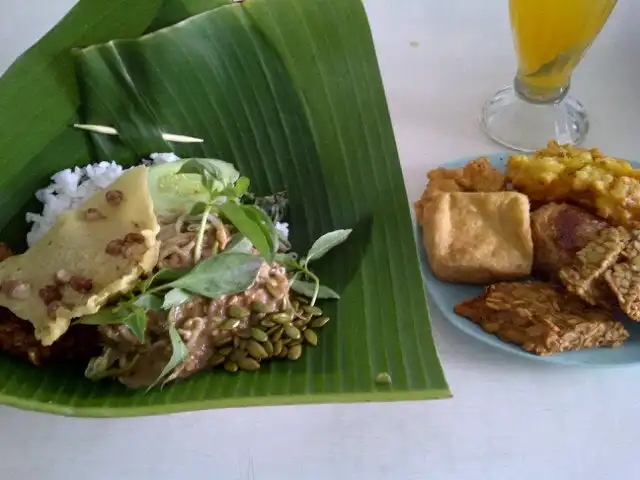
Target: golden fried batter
x=476 y=176
x=608 y=186
x=542 y=318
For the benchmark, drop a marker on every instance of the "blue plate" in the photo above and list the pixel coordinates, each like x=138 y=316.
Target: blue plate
x=446 y=295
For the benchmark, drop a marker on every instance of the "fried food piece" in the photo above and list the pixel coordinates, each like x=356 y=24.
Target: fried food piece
x=478 y=237
x=5 y=252
x=562 y=173
x=584 y=278
x=17 y=337
x=624 y=281
x=476 y=176
x=542 y=318
x=559 y=231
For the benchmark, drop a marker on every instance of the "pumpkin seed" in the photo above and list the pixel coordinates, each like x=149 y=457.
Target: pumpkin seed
x=277 y=335
x=295 y=305
x=284 y=352
x=286 y=341
x=230 y=324
x=256 y=350
x=265 y=322
x=274 y=329
x=302 y=300
x=222 y=341
x=225 y=351
x=236 y=342
x=310 y=336
x=236 y=311
x=319 y=322
x=237 y=354
x=277 y=348
x=268 y=347
x=383 y=378
x=231 y=367
x=294 y=342
x=274 y=291
x=294 y=352
x=216 y=359
x=248 y=364
x=258 y=335
x=281 y=318
x=259 y=307
x=301 y=322
x=312 y=310
x=245 y=334
x=292 y=332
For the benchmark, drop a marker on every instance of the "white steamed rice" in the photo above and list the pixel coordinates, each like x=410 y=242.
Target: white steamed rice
x=70 y=188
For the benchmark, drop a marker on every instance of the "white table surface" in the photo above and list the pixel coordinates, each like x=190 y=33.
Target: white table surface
x=510 y=418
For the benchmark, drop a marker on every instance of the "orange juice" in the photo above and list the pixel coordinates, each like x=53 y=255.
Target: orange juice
x=551 y=37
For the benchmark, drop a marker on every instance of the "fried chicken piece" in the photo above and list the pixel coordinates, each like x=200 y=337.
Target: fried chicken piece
x=559 y=231
x=476 y=176
x=585 y=277
x=542 y=318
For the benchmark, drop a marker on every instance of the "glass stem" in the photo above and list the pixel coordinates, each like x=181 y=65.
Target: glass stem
x=538 y=95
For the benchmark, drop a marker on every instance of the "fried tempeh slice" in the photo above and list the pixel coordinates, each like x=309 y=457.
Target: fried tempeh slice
x=542 y=318
x=624 y=281
x=585 y=277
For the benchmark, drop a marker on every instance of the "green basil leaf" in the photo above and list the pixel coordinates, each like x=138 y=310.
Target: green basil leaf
x=164 y=276
x=149 y=301
x=289 y=260
x=198 y=209
x=266 y=224
x=239 y=243
x=217 y=174
x=137 y=323
x=241 y=187
x=106 y=316
x=308 y=289
x=223 y=274
x=179 y=352
x=175 y=297
x=325 y=243
x=249 y=222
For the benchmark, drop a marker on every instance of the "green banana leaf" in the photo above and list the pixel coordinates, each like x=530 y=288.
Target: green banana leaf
x=290 y=92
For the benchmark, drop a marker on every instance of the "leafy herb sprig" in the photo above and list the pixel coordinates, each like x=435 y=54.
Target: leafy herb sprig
x=225 y=189
x=304 y=281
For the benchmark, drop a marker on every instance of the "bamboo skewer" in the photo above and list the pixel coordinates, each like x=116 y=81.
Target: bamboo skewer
x=169 y=137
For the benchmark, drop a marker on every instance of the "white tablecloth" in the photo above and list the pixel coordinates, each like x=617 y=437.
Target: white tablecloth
x=510 y=418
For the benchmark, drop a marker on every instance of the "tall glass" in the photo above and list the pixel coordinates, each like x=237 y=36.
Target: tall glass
x=550 y=37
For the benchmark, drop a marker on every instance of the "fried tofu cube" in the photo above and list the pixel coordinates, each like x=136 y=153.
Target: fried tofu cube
x=478 y=237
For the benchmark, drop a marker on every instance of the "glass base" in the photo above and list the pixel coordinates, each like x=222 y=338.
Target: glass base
x=520 y=125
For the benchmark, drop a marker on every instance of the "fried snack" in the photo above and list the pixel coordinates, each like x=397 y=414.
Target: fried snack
x=478 y=237
x=476 y=176
x=585 y=277
x=559 y=231
x=624 y=281
x=17 y=337
x=542 y=318
x=562 y=173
